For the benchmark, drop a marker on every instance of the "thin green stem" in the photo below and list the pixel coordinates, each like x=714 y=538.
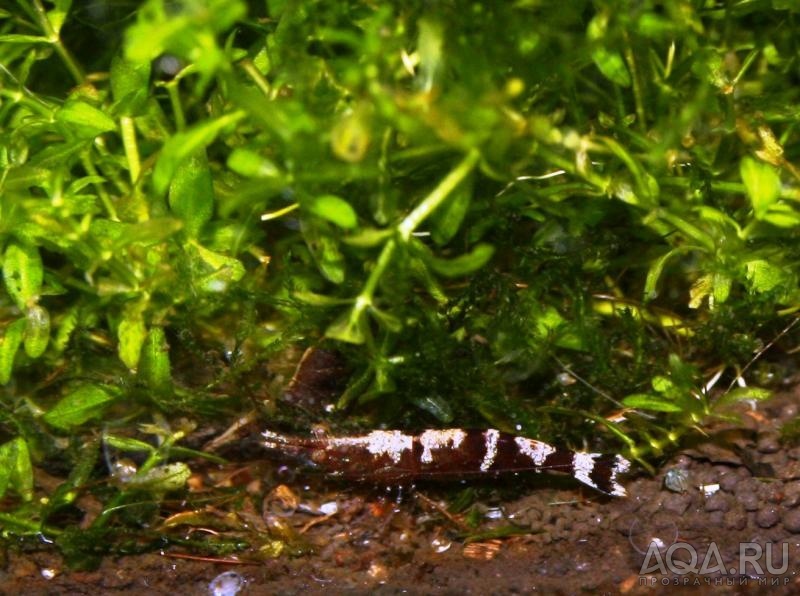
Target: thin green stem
x=101 y=191
x=54 y=38
x=438 y=195
x=131 y=148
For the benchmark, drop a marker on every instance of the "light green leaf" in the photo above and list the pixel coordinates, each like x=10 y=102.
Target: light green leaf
x=764 y=276
x=166 y=478
x=335 y=209
x=612 y=66
x=646 y=401
x=16 y=471
x=37 y=331
x=782 y=215
x=350 y=327
x=154 y=366
x=9 y=345
x=224 y=270
x=131 y=333
x=128 y=81
x=252 y=165
x=19 y=38
x=85 y=120
x=191 y=193
x=22 y=272
x=762 y=183
x=184 y=144
x=654 y=273
x=82 y=404
x=324 y=248
x=742 y=394
x=463 y=264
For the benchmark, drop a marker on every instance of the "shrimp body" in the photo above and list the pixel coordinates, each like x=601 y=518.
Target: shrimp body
x=395 y=456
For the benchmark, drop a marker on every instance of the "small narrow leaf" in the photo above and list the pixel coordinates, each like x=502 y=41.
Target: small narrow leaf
x=644 y=401
x=462 y=265
x=82 y=404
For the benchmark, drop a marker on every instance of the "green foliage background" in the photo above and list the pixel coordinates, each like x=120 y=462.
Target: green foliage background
x=477 y=203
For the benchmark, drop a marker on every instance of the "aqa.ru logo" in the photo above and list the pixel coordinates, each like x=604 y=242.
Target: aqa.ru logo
x=674 y=560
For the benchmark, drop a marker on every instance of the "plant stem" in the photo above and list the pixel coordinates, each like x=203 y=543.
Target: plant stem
x=438 y=195
x=53 y=36
x=131 y=148
x=406 y=227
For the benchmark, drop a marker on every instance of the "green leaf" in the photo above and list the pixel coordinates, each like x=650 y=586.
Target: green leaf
x=463 y=264
x=742 y=394
x=37 y=331
x=85 y=120
x=154 y=367
x=22 y=272
x=129 y=82
x=9 y=345
x=654 y=273
x=646 y=401
x=191 y=193
x=368 y=237
x=350 y=327
x=612 y=66
x=128 y=444
x=334 y=209
x=161 y=479
x=224 y=270
x=764 y=276
x=762 y=183
x=78 y=406
x=324 y=248
x=447 y=218
x=16 y=471
x=782 y=215
x=184 y=144
x=252 y=165
x=131 y=333
x=19 y=38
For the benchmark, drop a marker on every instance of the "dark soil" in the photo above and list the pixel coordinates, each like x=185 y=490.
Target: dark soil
x=569 y=541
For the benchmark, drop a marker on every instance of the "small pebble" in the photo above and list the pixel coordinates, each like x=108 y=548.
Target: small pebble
x=717 y=502
x=772 y=492
x=791 y=494
x=791 y=521
x=768 y=442
x=728 y=482
x=736 y=519
x=768 y=517
x=677 y=503
x=748 y=500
